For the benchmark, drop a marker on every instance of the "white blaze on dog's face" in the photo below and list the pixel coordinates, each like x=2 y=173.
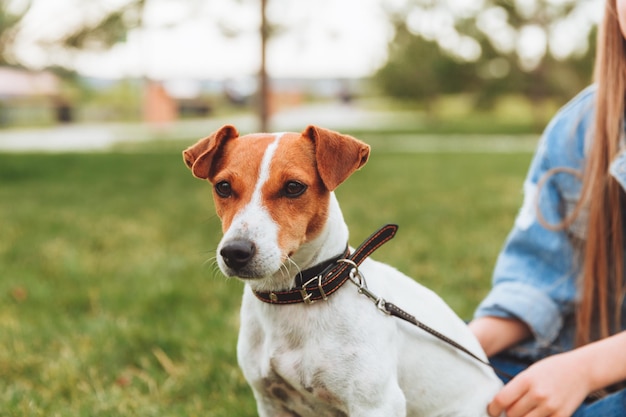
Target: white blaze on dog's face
x=271 y=193
x=268 y=195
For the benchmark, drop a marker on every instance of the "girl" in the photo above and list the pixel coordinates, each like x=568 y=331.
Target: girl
x=555 y=315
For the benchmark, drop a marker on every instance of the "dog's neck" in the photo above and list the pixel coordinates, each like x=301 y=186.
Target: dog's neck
x=331 y=241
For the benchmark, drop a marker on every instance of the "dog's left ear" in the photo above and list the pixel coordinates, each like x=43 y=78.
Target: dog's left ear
x=337 y=155
x=199 y=157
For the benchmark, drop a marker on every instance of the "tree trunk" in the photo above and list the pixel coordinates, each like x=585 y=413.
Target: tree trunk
x=263 y=79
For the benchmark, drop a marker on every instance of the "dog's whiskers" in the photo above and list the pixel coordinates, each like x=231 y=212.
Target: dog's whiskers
x=212 y=262
x=292 y=262
x=286 y=270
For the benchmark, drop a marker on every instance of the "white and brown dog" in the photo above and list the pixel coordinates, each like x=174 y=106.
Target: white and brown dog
x=339 y=356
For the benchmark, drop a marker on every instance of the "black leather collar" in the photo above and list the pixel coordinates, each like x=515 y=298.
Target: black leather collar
x=320 y=269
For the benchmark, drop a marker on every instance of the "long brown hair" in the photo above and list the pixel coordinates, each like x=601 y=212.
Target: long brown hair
x=601 y=281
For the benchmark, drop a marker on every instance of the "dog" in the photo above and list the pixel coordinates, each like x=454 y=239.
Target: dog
x=337 y=355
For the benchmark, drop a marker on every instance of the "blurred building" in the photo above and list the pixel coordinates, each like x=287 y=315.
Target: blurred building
x=159 y=108
x=31 y=98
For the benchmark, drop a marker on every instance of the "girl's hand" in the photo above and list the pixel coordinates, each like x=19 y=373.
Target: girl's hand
x=554 y=387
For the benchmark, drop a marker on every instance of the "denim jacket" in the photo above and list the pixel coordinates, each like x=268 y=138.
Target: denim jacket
x=535 y=276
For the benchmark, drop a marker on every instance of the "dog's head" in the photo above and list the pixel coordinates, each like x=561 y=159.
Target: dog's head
x=272 y=192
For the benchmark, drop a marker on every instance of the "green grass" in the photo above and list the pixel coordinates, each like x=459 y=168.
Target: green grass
x=112 y=305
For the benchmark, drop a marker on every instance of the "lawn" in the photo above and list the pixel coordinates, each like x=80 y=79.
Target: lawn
x=112 y=304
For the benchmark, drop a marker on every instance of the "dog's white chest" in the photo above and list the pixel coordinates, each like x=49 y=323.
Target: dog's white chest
x=289 y=373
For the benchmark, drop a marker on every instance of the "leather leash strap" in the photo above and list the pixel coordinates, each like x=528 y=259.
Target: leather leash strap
x=396 y=311
x=322 y=285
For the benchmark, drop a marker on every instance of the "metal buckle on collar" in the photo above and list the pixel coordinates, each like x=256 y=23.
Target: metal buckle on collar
x=306 y=296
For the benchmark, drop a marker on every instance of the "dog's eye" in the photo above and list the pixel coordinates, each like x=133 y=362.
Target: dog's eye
x=223 y=189
x=294 y=189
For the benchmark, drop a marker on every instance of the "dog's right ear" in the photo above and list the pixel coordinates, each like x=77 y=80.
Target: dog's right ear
x=199 y=157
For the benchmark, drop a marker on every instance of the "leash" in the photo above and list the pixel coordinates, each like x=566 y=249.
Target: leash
x=322 y=280
x=356 y=277
x=398 y=312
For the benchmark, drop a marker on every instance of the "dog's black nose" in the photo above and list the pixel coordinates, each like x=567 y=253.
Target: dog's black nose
x=237 y=254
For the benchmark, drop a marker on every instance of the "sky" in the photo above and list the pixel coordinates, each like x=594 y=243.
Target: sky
x=318 y=38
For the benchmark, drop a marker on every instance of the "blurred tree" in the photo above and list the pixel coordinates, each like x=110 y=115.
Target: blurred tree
x=550 y=48
x=109 y=29
x=417 y=70
x=11 y=15
x=540 y=48
x=264 y=87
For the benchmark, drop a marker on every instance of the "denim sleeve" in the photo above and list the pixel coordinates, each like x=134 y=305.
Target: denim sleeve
x=534 y=279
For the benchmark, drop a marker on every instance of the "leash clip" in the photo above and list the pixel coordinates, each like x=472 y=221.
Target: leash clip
x=358 y=279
